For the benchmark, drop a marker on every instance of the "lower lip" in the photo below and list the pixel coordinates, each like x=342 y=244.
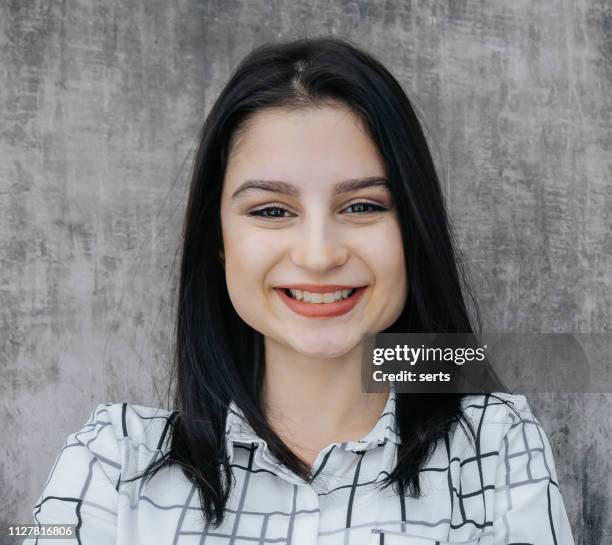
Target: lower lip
x=321 y=310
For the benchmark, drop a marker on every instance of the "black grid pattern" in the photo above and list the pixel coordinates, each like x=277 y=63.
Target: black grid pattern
x=503 y=490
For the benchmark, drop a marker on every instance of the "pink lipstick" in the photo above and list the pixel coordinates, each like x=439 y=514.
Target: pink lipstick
x=320 y=310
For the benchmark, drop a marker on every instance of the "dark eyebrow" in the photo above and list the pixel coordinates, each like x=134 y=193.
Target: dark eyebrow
x=289 y=189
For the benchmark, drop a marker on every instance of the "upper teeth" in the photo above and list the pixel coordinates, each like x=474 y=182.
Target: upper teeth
x=329 y=297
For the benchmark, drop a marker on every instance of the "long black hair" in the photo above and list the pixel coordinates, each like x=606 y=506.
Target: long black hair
x=219 y=357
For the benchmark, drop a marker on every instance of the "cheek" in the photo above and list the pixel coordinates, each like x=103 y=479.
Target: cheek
x=242 y=265
x=247 y=262
x=390 y=267
x=243 y=278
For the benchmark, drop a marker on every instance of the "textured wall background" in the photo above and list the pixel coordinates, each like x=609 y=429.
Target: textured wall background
x=101 y=103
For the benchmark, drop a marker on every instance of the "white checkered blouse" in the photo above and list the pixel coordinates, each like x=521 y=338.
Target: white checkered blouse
x=503 y=491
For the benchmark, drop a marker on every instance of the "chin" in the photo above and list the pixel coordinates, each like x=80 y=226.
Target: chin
x=324 y=346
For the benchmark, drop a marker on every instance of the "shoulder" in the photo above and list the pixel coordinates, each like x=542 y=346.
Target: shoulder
x=495 y=399
x=83 y=484
x=137 y=423
x=507 y=478
x=496 y=411
x=495 y=418
x=115 y=430
x=509 y=441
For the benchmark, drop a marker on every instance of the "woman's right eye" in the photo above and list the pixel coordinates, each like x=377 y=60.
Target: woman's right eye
x=269 y=212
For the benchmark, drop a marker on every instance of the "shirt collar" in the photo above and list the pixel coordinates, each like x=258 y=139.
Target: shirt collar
x=238 y=430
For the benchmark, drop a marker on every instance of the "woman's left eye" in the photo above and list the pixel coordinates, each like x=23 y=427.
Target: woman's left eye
x=362 y=204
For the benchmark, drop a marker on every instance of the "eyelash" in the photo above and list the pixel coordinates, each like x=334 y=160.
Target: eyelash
x=258 y=213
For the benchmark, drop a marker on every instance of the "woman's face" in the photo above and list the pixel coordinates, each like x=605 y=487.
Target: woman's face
x=300 y=222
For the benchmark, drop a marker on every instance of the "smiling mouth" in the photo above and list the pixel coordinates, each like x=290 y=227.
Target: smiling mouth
x=320 y=298
x=321 y=305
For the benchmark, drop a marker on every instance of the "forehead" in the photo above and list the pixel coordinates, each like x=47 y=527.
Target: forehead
x=325 y=143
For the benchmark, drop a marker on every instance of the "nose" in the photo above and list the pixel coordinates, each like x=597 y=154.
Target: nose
x=318 y=246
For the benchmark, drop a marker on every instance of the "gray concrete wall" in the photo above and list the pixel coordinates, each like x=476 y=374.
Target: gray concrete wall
x=100 y=104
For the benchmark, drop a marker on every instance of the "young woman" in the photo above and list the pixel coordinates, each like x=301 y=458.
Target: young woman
x=315 y=215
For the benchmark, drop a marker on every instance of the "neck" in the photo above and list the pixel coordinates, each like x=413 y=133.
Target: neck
x=312 y=402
